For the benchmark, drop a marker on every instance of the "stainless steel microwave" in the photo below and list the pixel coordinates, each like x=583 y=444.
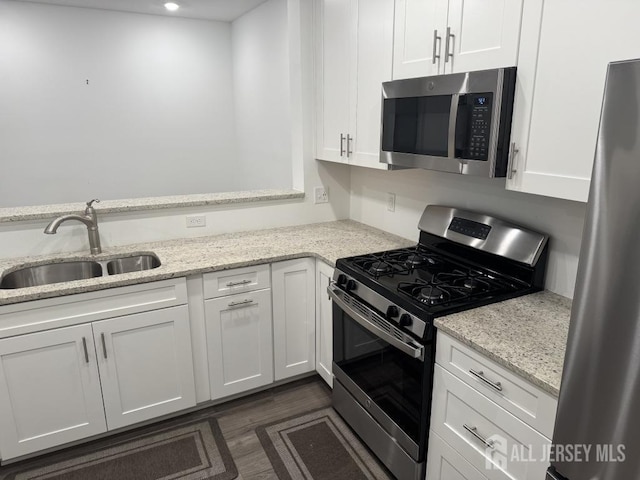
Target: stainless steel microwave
x=458 y=123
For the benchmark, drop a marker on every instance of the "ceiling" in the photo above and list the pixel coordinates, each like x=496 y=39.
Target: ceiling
x=223 y=10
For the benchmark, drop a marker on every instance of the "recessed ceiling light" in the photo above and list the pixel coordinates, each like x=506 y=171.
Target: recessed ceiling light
x=171 y=6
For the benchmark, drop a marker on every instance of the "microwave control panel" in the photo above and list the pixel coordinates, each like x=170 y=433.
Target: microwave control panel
x=480 y=125
x=479 y=107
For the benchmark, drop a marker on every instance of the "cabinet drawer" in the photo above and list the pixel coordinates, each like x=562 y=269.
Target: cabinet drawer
x=486 y=435
x=511 y=392
x=238 y=280
x=444 y=463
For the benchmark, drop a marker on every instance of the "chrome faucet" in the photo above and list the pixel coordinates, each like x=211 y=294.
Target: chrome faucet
x=90 y=219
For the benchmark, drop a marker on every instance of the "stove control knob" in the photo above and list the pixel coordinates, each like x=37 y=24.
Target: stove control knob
x=392 y=311
x=405 y=320
x=342 y=279
x=351 y=285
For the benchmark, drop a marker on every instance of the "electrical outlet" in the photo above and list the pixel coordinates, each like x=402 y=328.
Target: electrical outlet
x=196 y=221
x=391 y=202
x=321 y=195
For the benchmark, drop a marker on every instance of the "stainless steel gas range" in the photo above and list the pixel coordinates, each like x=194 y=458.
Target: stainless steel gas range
x=383 y=310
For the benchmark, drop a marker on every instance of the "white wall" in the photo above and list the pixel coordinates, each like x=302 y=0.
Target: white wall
x=414 y=189
x=261 y=92
x=27 y=238
x=155 y=119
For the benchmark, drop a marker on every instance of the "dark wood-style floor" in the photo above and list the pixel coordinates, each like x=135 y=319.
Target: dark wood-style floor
x=238 y=420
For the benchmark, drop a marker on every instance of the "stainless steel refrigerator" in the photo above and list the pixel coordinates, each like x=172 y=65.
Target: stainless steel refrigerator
x=599 y=403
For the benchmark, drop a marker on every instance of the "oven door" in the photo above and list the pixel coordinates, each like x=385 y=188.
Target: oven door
x=384 y=369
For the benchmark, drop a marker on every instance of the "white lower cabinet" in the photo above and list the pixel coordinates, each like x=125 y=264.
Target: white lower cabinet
x=324 y=323
x=103 y=372
x=293 y=284
x=240 y=342
x=49 y=390
x=485 y=425
x=145 y=364
x=445 y=463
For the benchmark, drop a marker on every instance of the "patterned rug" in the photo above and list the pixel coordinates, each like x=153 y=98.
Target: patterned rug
x=175 y=449
x=319 y=446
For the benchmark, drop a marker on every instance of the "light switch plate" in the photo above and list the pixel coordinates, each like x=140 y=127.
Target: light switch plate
x=391 y=202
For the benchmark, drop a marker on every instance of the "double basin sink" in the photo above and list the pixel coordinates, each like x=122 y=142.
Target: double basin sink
x=76 y=270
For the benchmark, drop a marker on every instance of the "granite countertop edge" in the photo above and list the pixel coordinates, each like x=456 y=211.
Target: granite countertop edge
x=48 y=212
x=527 y=335
x=198 y=255
x=547 y=387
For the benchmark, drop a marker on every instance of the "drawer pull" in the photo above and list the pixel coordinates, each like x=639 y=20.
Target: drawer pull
x=481 y=376
x=241 y=282
x=241 y=302
x=474 y=431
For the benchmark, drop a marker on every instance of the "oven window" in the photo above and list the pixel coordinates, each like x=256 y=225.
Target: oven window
x=392 y=379
x=418 y=125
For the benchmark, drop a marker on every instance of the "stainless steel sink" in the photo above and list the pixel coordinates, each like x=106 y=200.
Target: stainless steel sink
x=136 y=263
x=52 y=273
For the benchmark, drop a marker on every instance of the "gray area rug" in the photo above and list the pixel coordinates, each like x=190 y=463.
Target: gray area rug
x=319 y=446
x=175 y=449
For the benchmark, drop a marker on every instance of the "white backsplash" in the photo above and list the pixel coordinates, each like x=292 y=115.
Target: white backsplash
x=414 y=189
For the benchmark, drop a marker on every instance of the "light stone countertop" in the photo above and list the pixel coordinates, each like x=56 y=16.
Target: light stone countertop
x=48 y=212
x=327 y=241
x=527 y=335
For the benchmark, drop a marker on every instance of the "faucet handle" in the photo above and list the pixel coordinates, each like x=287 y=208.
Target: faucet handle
x=91 y=202
x=89 y=210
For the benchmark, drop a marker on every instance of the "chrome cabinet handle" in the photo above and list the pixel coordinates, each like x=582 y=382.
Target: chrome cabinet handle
x=437 y=40
x=241 y=282
x=241 y=302
x=481 y=376
x=448 y=41
x=86 y=352
x=474 y=431
x=513 y=151
x=104 y=345
x=342 y=145
x=349 y=140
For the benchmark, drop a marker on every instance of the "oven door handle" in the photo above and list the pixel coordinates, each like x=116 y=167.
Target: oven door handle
x=411 y=350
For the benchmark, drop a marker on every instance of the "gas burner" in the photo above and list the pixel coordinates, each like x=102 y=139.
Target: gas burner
x=418 y=259
x=471 y=283
x=431 y=295
x=379 y=268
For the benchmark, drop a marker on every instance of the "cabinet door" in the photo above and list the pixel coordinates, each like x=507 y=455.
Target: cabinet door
x=418 y=38
x=374 y=58
x=294 y=293
x=570 y=67
x=444 y=463
x=324 y=323
x=240 y=342
x=334 y=41
x=49 y=390
x=485 y=34
x=146 y=365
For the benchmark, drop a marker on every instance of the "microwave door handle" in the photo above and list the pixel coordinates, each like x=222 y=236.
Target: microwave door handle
x=453 y=118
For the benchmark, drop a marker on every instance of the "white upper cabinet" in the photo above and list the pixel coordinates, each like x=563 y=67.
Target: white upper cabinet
x=446 y=36
x=354 y=50
x=420 y=27
x=334 y=42
x=565 y=49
